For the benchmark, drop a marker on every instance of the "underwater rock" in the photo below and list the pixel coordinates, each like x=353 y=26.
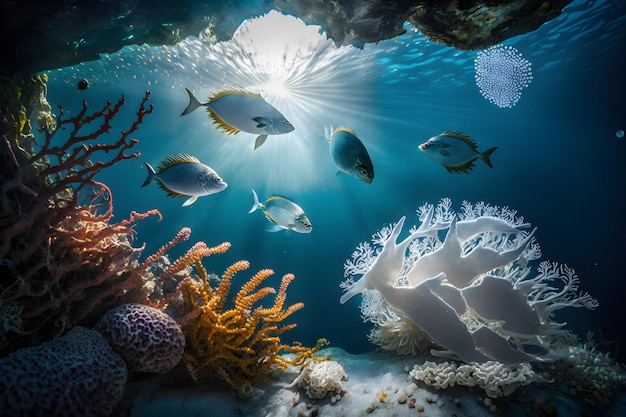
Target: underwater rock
x=59 y=33
x=461 y=24
x=483 y=23
x=80 y=31
x=351 y=22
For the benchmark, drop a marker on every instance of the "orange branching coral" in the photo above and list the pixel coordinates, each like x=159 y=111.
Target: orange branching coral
x=236 y=340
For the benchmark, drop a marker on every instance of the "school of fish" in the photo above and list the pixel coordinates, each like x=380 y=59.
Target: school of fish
x=235 y=111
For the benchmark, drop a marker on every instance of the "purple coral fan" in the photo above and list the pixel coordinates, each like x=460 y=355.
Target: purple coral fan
x=74 y=375
x=148 y=339
x=501 y=74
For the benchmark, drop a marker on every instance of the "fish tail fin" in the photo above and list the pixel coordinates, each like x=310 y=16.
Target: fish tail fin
x=485 y=156
x=256 y=204
x=151 y=174
x=193 y=103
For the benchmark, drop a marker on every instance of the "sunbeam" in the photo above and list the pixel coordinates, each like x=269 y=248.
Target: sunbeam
x=298 y=70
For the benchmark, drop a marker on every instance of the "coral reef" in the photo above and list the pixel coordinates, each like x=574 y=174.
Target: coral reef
x=587 y=371
x=495 y=378
x=236 y=340
x=319 y=379
x=64 y=258
x=501 y=74
x=74 y=375
x=470 y=291
x=148 y=339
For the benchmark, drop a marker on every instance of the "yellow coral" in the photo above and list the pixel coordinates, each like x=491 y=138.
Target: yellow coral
x=242 y=343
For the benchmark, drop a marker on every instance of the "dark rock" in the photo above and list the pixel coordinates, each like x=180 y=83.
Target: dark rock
x=466 y=24
x=59 y=33
x=46 y=35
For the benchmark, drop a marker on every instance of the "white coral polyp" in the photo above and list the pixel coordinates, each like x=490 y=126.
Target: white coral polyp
x=321 y=378
x=462 y=278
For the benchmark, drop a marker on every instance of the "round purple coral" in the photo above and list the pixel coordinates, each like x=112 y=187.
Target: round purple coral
x=148 y=339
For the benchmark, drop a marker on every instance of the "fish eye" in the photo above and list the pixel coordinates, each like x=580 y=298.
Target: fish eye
x=363 y=171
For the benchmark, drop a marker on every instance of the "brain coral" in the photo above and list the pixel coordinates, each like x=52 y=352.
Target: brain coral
x=74 y=375
x=148 y=339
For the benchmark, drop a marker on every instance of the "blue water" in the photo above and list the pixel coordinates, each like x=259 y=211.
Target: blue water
x=559 y=161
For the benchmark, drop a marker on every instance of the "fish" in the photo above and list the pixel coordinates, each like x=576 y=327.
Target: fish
x=456 y=151
x=350 y=155
x=283 y=214
x=184 y=175
x=236 y=111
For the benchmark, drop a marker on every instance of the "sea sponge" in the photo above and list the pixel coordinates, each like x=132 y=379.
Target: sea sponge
x=497 y=379
x=74 y=375
x=148 y=339
x=320 y=378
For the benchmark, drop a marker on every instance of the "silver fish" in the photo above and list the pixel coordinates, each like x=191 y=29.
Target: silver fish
x=283 y=214
x=184 y=176
x=350 y=155
x=456 y=151
x=235 y=110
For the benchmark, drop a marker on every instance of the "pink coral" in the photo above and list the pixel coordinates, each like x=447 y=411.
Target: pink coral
x=147 y=338
x=74 y=375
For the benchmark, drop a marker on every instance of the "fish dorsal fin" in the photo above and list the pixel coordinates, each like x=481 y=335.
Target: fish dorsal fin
x=225 y=93
x=461 y=136
x=176 y=159
x=345 y=129
x=277 y=197
x=231 y=130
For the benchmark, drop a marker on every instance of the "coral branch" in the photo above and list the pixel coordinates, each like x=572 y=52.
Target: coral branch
x=238 y=344
x=66 y=258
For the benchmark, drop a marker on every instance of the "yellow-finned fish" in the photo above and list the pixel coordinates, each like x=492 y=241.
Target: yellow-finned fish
x=350 y=155
x=184 y=176
x=283 y=214
x=455 y=151
x=235 y=110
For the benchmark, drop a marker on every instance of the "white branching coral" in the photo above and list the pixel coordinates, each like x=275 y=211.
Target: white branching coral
x=497 y=379
x=462 y=279
x=319 y=379
x=391 y=332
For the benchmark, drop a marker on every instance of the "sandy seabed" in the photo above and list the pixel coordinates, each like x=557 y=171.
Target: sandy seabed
x=374 y=381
